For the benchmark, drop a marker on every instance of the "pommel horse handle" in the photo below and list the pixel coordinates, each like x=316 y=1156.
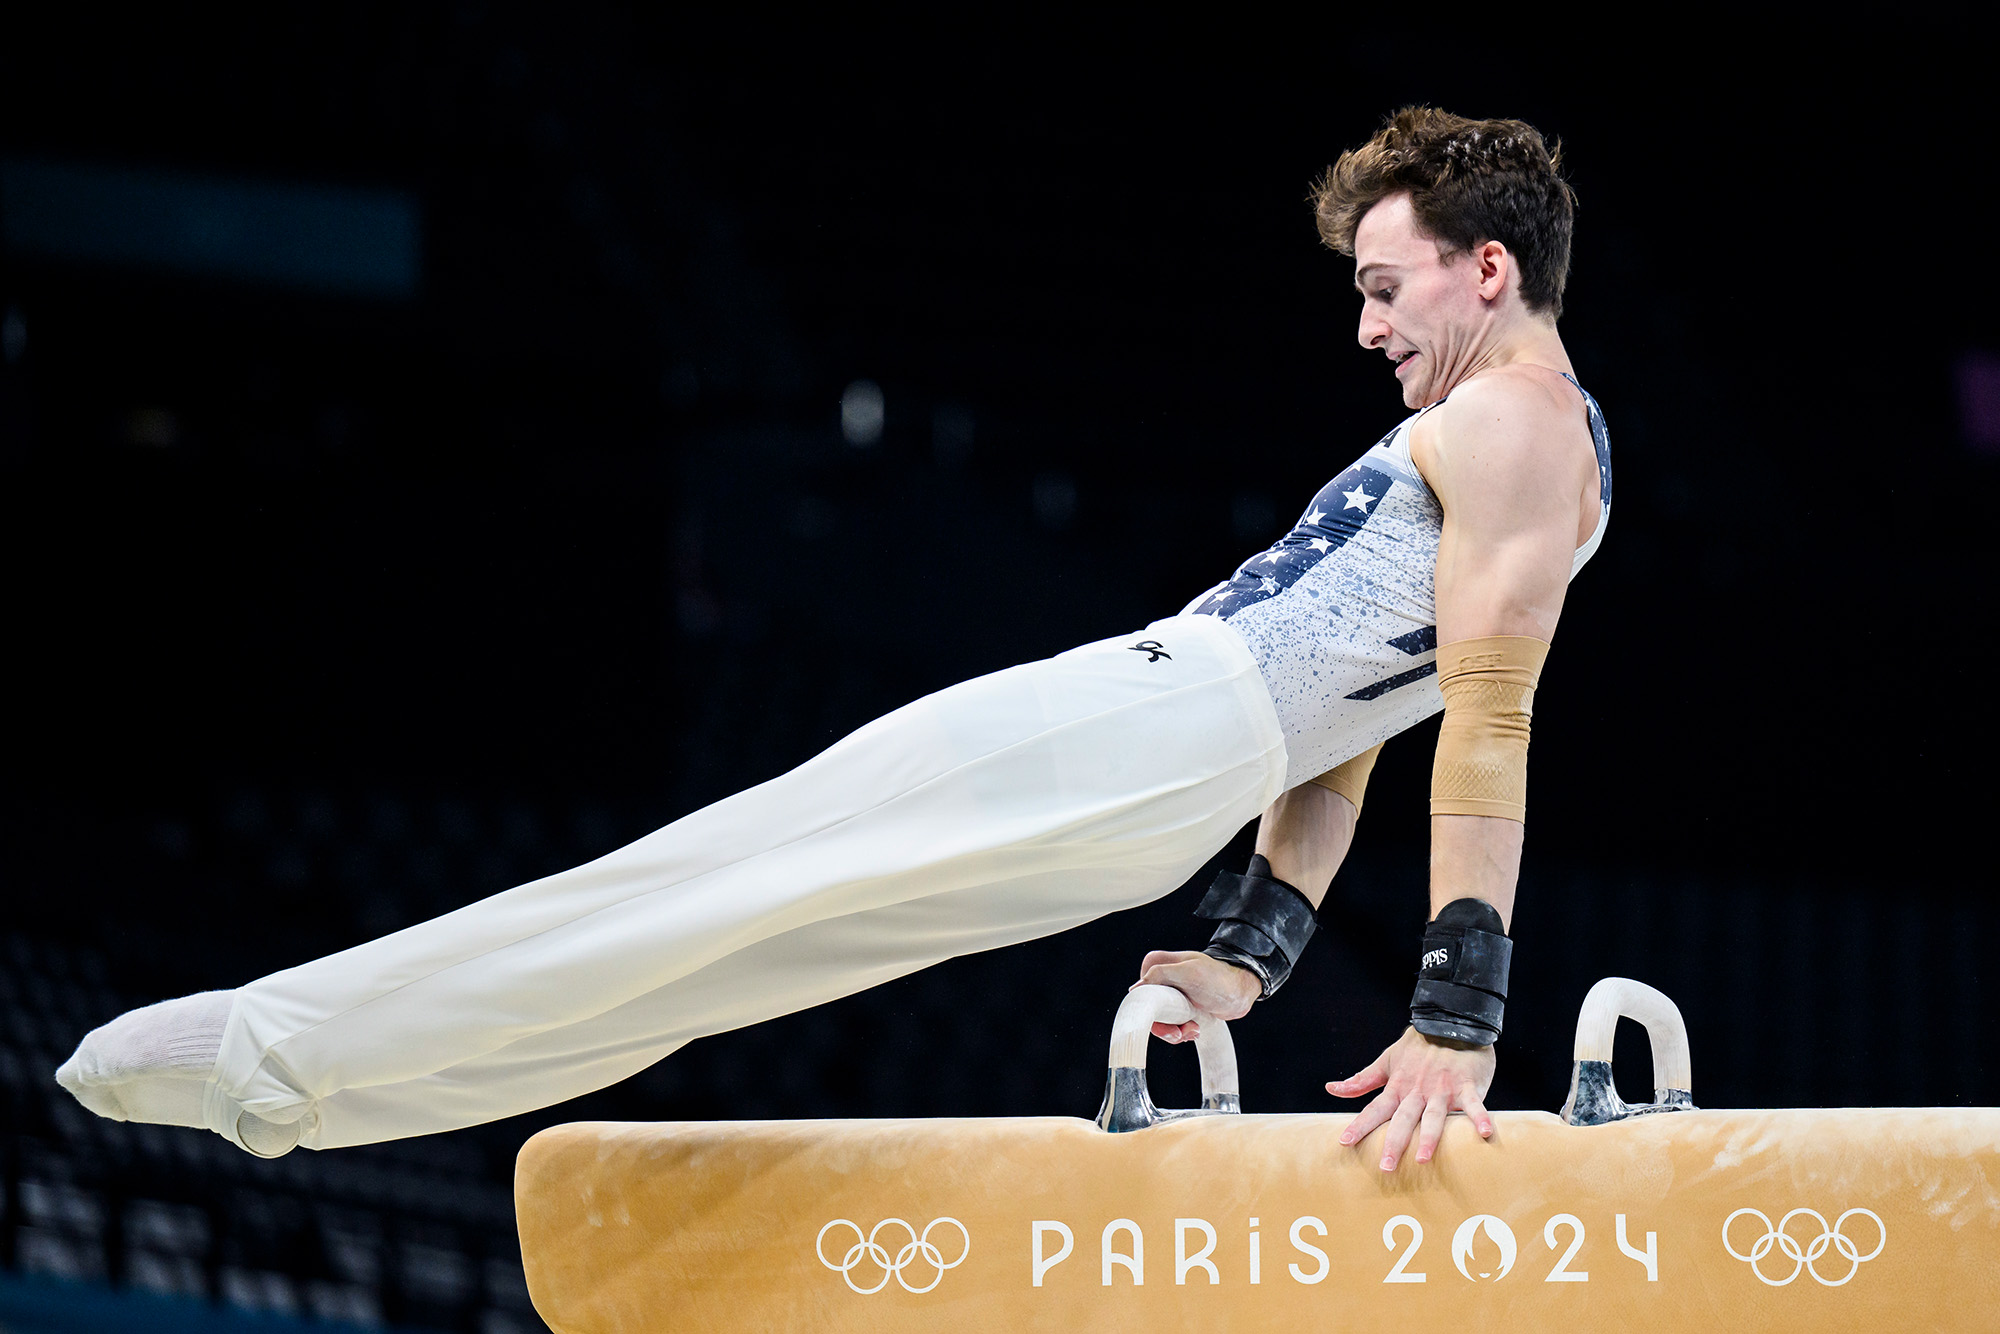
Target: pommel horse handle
x=1593 y=1098
x=1128 y=1104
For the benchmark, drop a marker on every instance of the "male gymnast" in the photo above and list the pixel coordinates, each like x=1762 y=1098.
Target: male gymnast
x=1430 y=574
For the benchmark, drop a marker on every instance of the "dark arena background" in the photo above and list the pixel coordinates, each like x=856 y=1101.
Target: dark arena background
x=439 y=445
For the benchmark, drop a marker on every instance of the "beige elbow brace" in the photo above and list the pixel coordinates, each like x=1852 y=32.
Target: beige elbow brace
x=1350 y=780
x=1489 y=698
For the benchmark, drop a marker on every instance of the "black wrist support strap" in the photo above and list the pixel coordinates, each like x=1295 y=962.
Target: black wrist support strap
x=1462 y=980
x=1265 y=923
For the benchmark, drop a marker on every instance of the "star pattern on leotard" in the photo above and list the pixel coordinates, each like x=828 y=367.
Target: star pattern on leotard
x=1326 y=526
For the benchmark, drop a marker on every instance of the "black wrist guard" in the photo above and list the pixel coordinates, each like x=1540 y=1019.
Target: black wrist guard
x=1462 y=978
x=1265 y=923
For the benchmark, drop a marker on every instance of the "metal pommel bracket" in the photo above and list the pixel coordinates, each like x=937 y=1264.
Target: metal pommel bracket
x=1128 y=1104
x=1593 y=1098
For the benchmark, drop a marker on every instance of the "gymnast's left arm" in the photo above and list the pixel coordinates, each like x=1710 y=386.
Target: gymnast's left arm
x=1302 y=840
x=1510 y=462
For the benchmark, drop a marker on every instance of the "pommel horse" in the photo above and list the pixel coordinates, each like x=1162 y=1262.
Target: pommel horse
x=1655 y=1216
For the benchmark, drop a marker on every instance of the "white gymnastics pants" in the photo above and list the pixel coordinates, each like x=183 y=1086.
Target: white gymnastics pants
x=1012 y=806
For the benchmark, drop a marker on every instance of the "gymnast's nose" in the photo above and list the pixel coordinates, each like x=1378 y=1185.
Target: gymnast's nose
x=1374 y=330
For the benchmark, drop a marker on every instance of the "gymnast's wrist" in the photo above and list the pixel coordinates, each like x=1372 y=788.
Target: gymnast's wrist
x=1242 y=963
x=1263 y=924
x=1453 y=1044
x=1461 y=995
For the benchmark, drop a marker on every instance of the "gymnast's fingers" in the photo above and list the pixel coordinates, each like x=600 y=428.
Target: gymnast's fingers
x=1401 y=1126
x=1368 y=1080
x=1187 y=1032
x=1161 y=959
x=1469 y=1103
x=1433 y=1126
x=1365 y=1120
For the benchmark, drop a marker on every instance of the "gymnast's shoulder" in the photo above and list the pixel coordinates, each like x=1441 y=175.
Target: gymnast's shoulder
x=1520 y=417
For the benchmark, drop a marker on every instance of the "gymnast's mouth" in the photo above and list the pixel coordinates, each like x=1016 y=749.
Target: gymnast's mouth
x=1404 y=360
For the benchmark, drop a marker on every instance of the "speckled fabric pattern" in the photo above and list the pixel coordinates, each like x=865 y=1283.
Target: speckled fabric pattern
x=1341 y=612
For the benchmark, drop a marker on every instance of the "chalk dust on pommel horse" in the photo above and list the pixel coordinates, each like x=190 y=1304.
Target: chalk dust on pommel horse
x=1658 y=1216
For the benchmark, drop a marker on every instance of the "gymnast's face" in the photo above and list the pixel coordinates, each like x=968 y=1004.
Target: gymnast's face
x=1432 y=318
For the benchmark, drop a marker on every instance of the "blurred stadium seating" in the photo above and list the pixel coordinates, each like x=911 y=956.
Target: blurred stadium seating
x=106 y=1224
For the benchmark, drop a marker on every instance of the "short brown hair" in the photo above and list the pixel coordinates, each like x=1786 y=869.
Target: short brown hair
x=1469 y=182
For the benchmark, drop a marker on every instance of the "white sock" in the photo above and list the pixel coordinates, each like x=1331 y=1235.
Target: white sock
x=150 y=1064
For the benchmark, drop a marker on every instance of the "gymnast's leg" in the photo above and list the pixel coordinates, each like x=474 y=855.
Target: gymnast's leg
x=794 y=971
x=1015 y=805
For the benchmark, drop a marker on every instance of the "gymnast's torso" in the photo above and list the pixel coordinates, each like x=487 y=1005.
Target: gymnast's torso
x=1341 y=612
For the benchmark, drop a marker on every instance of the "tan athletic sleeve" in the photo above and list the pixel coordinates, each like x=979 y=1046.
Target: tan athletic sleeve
x=1350 y=780
x=1489 y=700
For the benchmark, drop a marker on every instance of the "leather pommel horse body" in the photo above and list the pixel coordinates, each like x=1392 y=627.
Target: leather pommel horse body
x=1654 y=1217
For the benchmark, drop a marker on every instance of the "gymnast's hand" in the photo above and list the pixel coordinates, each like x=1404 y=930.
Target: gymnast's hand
x=1217 y=988
x=1421 y=1081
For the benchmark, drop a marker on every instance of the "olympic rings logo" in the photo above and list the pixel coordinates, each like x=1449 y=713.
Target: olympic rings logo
x=866 y=1249
x=1806 y=1258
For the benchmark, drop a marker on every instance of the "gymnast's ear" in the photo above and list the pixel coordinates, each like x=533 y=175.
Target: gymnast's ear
x=1496 y=269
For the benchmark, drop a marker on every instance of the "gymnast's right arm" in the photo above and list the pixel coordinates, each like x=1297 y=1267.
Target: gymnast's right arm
x=1301 y=842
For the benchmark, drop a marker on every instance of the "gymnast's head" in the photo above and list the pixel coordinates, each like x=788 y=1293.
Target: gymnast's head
x=1460 y=232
